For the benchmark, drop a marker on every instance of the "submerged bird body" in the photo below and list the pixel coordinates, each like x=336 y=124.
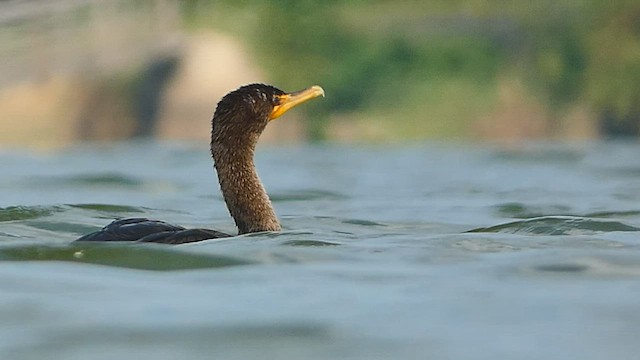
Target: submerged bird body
x=145 y=230
x=240 y=117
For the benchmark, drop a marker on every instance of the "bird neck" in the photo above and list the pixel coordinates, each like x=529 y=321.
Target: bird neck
x=243 y=192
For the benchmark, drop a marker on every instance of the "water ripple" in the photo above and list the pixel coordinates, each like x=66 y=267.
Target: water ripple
x=309 y=243
x=12 y=213
x=306 y=195
x=134 y=256
x=609 y=214
x=540 y=154
x=522 y=211
x=601 y=265
x=557 y=225
x=92 y=179
x=109 y=208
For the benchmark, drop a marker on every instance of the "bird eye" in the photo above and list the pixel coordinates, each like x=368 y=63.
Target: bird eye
x=275 y=100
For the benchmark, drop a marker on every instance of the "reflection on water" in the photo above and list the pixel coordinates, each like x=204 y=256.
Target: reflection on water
x=440 y=251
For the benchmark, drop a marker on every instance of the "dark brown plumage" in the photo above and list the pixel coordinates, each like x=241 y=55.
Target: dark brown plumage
x=240 y=117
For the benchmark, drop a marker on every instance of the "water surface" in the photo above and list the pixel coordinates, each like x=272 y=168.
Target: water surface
x=441 y=251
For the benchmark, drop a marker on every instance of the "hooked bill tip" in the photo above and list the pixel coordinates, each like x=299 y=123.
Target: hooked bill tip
x=318 y=89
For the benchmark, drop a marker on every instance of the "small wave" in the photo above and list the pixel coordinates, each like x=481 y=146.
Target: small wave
x=349 y=221
x=309 y=243
x=93 y=179
x=522 y=211
x=557 y=225
x=12 y=213
x=60 y=227
x=361 y=222
x=109 y=208
x=331 y=224
x=299 y=241
x=133 y=256
x=610 y=214
x=608 y=265
x=306 y=195
x=540 y=154
x=562 y=268
x=629 y=171
x=104 y=179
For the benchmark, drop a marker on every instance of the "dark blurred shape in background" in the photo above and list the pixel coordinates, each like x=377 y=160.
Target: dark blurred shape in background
x=76 y=70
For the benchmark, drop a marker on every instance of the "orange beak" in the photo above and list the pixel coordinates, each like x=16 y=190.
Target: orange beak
x=288 y=101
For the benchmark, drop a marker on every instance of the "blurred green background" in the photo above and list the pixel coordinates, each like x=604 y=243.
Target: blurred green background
x=392 y=70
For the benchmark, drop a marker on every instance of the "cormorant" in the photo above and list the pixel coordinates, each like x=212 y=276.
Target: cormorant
x=237 y=123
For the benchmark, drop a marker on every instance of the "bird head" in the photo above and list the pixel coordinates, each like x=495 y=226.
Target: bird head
x=247 y=110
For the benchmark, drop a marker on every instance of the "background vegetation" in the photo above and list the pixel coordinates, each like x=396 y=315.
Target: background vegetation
x=393 y=64
x=84 y=70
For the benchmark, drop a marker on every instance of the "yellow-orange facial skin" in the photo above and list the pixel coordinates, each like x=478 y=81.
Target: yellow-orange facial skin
x=288 y=101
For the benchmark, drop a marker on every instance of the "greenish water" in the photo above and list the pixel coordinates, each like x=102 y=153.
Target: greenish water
x=440 y=251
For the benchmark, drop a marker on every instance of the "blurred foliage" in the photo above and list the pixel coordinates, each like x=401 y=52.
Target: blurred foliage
x=395 y=60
